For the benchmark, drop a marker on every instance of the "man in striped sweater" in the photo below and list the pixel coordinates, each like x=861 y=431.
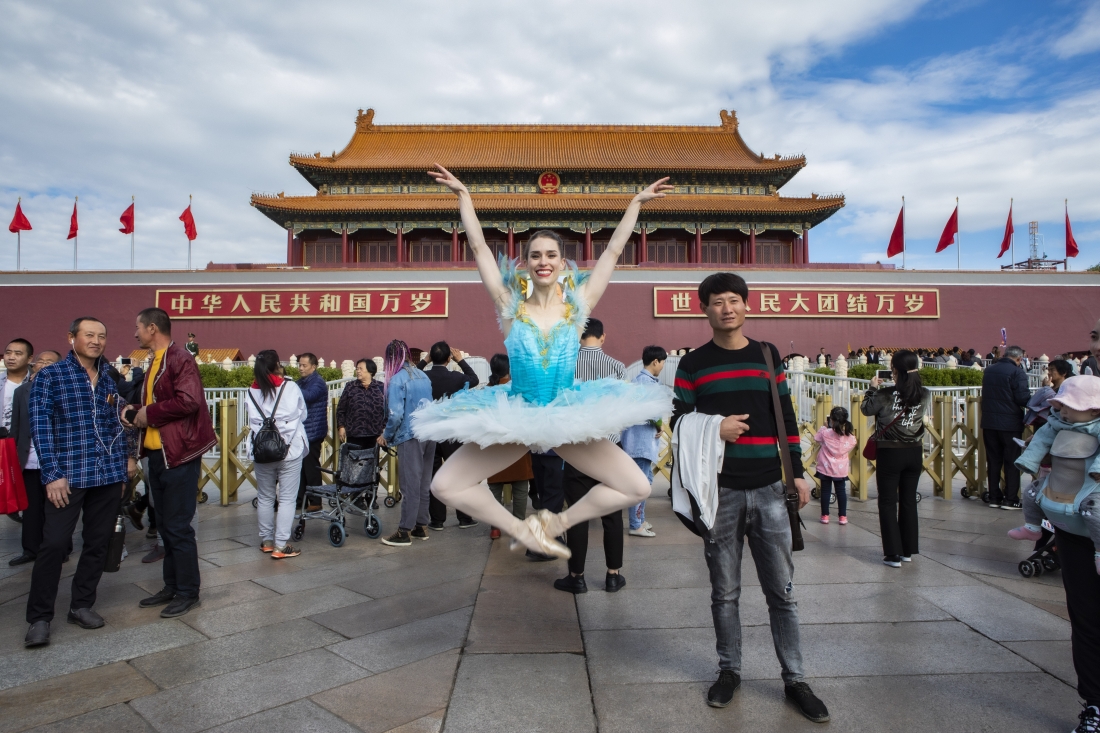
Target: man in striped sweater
x=728 y=376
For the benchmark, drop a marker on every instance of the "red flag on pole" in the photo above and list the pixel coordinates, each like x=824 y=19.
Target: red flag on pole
x=949 y=231
x=1071 y=243
x=189 y=223
x=897 y=239
x=127 y=220
x=73 y=227
x=1007 y=241
x=20 y=223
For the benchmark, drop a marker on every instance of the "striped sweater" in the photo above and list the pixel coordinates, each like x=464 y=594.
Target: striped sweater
x=717 y=381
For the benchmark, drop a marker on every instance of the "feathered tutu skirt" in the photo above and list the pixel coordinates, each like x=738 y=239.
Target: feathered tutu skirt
x=582 y=413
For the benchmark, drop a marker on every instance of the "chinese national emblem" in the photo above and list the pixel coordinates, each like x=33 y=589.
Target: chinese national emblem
x=549 y=182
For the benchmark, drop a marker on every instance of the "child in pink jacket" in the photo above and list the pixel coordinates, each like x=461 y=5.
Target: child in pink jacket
x=833 y=463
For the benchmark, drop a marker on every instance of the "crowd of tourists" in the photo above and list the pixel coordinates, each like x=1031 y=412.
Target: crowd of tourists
x=81 y=428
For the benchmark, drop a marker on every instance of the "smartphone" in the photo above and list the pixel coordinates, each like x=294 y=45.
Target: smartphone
x=885 y=375
x=129 y=414
x=127 y=361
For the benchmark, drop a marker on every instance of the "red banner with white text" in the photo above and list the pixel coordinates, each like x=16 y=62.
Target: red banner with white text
x=811 y=302
x=305 y=303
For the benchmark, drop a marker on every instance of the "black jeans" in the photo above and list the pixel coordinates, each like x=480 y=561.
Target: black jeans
x=174 y=493
x=33 y=515
x=311 y=468
x=1083 y=602
x=437 y=510
x=577 y=485
x=1001 y=452
x=547 y=491
x=100 y=506
x=898 y=472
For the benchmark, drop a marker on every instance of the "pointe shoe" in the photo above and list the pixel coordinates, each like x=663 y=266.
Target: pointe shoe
x=1023 y=533
x=551 y=523
x=534 y=538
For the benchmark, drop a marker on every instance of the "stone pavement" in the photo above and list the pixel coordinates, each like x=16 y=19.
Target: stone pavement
x=458 y=634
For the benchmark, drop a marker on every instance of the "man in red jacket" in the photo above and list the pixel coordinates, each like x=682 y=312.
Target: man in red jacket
x=177 y=431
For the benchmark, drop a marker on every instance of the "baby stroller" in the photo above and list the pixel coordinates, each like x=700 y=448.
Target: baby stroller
x=1044 y=559
x=353 y=491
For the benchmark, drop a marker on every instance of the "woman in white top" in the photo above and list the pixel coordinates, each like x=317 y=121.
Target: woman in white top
x=282 y=477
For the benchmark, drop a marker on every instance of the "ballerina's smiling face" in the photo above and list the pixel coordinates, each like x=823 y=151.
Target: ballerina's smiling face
x=544 y=261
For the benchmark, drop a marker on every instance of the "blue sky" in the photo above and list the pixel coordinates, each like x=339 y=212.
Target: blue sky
x=931 y=100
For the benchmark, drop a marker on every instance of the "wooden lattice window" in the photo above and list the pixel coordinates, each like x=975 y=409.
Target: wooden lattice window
x=667 y=251
x=430 y=250
x=626 y=258
x=376 y=251
x=721 y=252
x=773 y=253
x=322 y=252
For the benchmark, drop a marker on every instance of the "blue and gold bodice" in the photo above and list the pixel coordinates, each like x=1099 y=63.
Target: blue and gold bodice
x=543 y=364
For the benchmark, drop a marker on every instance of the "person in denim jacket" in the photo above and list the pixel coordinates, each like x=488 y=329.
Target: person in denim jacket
x=406 y=388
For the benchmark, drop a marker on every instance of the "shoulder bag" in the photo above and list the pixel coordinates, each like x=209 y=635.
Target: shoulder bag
x=797 y=543
x=870 y=450
x=268 y=445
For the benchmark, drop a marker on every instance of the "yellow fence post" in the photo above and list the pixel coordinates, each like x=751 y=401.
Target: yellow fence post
x=861 y=467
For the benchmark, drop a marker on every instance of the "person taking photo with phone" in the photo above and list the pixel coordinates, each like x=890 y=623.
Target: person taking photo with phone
x=177 y=430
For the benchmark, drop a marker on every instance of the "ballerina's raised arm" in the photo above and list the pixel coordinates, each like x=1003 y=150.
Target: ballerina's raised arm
x=486 y=262
x=593 y=289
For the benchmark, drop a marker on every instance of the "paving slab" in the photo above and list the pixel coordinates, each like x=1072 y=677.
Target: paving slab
x=385 y=613
x=828 y=650
x=913 y=704
x=1053 y=657
x=297 y=717
x=333 y=574
x=194 y=662
x=216 y=700
x=396 y=647
x=118 y=718
x=244 y=616
x=524 y=615
x=540 y=693
x=997 y=614
x=428 y=571
x=432 y=723
x=93 y=649
x=64 y=696
x=395 y=698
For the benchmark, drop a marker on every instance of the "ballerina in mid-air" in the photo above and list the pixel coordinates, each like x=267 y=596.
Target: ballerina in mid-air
x=542 y=312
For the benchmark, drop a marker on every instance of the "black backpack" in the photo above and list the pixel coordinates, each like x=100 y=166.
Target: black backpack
x=268 y=445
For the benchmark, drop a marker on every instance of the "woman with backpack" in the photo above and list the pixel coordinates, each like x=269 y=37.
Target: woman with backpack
x=899 y=410
x=276 y=417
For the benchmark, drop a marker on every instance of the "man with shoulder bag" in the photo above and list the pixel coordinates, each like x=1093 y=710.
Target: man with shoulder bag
x=729 y=486
x=177 y=432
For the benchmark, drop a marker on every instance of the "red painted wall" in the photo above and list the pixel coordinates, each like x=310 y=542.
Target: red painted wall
x=1041 y=319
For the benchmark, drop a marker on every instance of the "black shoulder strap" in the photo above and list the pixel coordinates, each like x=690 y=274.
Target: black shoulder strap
x=780 y=427
x=275 y=409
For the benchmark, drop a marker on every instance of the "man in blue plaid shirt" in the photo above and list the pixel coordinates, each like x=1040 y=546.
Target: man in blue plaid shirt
x=85 y=458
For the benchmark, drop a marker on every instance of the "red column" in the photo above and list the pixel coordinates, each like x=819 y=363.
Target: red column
x=587 y=254
x=752 y=245
x=806 y=246
x=697 y=255
x=290 y=246
x=344 y=243
x=643 y=248
x=400 y=244
x=456 y=252
x=511 y=243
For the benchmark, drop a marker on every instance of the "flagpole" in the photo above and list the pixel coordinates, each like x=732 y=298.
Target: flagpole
x=958 y=236
x=19 y=234
x=189 y=197
x=903 y=232
x=1012 y=237
x=76 y=238
x=132 y=237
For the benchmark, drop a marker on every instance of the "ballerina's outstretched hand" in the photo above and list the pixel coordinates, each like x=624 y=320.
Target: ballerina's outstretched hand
x=448 y=179
x=655 y=191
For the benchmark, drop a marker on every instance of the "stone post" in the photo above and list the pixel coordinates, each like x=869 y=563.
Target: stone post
x=227 y=364
x=347 y=368
x=841 y=366
x=252 y=360
x=952 y=363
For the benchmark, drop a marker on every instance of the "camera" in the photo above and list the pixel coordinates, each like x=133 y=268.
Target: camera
x=127 y=361
x=885 y=375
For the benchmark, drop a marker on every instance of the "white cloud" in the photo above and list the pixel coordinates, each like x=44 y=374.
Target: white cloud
x=208 y=99
x=1084 y=38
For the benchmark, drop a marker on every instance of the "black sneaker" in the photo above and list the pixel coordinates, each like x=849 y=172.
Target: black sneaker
x=1010 y=505
x=807 y=702
x=419 y=533
x=572 y=584
x=400 y=538
x=467 y=523
x=613 y=582
x=994 y=504
x=1090 y=720
x=721 y=692
x=893 y=561
x=437 y=526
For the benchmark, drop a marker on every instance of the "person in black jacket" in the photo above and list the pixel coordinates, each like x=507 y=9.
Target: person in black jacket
x=444 y=384
x=1004 y=396
x=34 y=514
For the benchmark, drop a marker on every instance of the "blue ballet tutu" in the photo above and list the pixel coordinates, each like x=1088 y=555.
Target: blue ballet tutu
x=581 y=413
